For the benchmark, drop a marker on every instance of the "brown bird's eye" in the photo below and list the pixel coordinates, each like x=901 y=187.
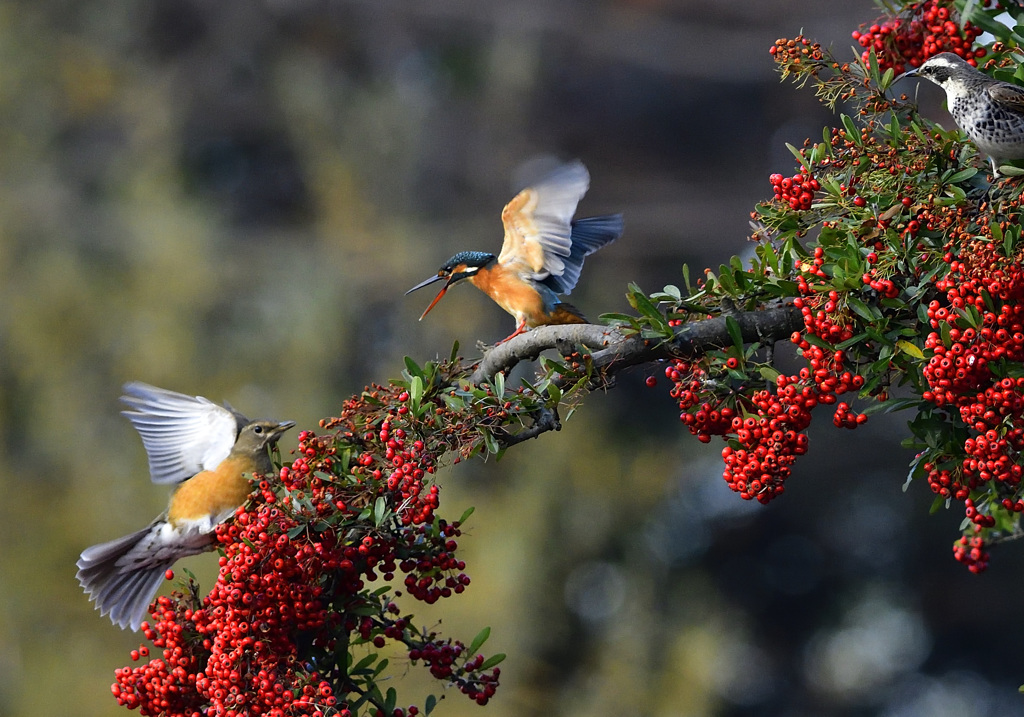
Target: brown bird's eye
x=258 y=429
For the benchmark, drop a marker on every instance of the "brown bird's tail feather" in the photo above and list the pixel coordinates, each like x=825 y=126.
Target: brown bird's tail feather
x=122 y=588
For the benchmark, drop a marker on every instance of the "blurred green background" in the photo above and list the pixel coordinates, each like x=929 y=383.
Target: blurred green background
x=230 y=198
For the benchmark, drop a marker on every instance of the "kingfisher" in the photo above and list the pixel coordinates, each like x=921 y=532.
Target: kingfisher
x=542 y=253
x=206 y=450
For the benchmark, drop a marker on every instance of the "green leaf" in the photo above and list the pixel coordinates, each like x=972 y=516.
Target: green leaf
x=390 y=701
x=873 y=65
x=413 y=368
x=364 y=663
x=910 y=348
x=492 y=661
x=735 y=332
x=770 y=258
x=843 y=345
x=851 y=129
x=455 y=352
x=886 y=79
x=639 y=301
x=499 y=385
x=479 y=640
x=1009 y=170
x=468 y=512
x=429 y=704
x=380 y=509
x=415 y=393
x=937 y=505
x=890 y=406
x=910 y=477
x=962 y=175
x=454 y=403
x=726 y=281
x=798 y=154
x=554 y=393
x=490 y=442
x=861 y=309
x=769 y=373
x=945 y=331
x=816 y=341
x=613 y=318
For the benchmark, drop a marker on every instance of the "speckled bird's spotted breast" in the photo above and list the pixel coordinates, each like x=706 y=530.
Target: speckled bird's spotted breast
x=995 y=130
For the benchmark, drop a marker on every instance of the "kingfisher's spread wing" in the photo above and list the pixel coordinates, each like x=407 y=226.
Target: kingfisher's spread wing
x=183 y=435
x=538 y=221
x=588 y=235
x=1008 y=95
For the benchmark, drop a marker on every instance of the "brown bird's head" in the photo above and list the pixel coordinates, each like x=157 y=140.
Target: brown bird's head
x=255 y=436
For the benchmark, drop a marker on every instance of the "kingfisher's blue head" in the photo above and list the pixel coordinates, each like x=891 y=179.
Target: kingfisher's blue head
x=463 y=265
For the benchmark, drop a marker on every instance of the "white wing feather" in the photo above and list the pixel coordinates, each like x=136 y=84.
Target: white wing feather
x=182 y=434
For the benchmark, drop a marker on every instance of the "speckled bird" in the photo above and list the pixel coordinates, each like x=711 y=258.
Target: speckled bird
x=989 y=111
x=206 y=450
x=542 y=254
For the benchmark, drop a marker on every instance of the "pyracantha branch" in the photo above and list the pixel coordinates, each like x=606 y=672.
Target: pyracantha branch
x=613 y=351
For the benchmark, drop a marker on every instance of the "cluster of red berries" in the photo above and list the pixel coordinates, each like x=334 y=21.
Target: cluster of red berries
x=977 y=330
x=295 y=578
x=796 y=191
x=690 y=388
x=925 y=29
x=765 y=428
x=764 y=444
x=971 y=552
x=437 y=573
x=443 y=657
x=405 y=467
x=237 y=653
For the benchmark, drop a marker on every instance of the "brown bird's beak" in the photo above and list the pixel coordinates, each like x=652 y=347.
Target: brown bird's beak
x=281 y=428
x=437 y=298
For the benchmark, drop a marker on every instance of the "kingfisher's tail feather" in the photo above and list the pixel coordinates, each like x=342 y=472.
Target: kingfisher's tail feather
x=588 y=235
x=123 y=591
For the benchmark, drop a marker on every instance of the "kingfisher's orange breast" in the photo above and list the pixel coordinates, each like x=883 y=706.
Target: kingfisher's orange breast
x=511 y=293
x=212 y=492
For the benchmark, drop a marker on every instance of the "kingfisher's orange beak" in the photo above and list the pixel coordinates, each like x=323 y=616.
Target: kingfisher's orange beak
x=434 y=302
x=437 y=298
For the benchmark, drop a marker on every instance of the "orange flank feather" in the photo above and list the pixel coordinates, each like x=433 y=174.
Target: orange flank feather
x=521 y=299
x=511 y=293
x=565 y=313
x=212 y=492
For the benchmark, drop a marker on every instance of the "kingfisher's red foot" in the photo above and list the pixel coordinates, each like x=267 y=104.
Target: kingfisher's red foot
x=521 y=329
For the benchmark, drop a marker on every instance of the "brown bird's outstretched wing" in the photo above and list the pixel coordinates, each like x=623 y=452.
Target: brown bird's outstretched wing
x=1009 y=95
x=538 y=221
x=182 y=434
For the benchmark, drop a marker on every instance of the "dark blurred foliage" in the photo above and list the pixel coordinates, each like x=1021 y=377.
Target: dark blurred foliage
x=229 y=198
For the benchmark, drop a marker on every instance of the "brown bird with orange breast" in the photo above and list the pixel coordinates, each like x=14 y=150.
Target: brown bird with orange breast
x=542 y=254
x=208 y=450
